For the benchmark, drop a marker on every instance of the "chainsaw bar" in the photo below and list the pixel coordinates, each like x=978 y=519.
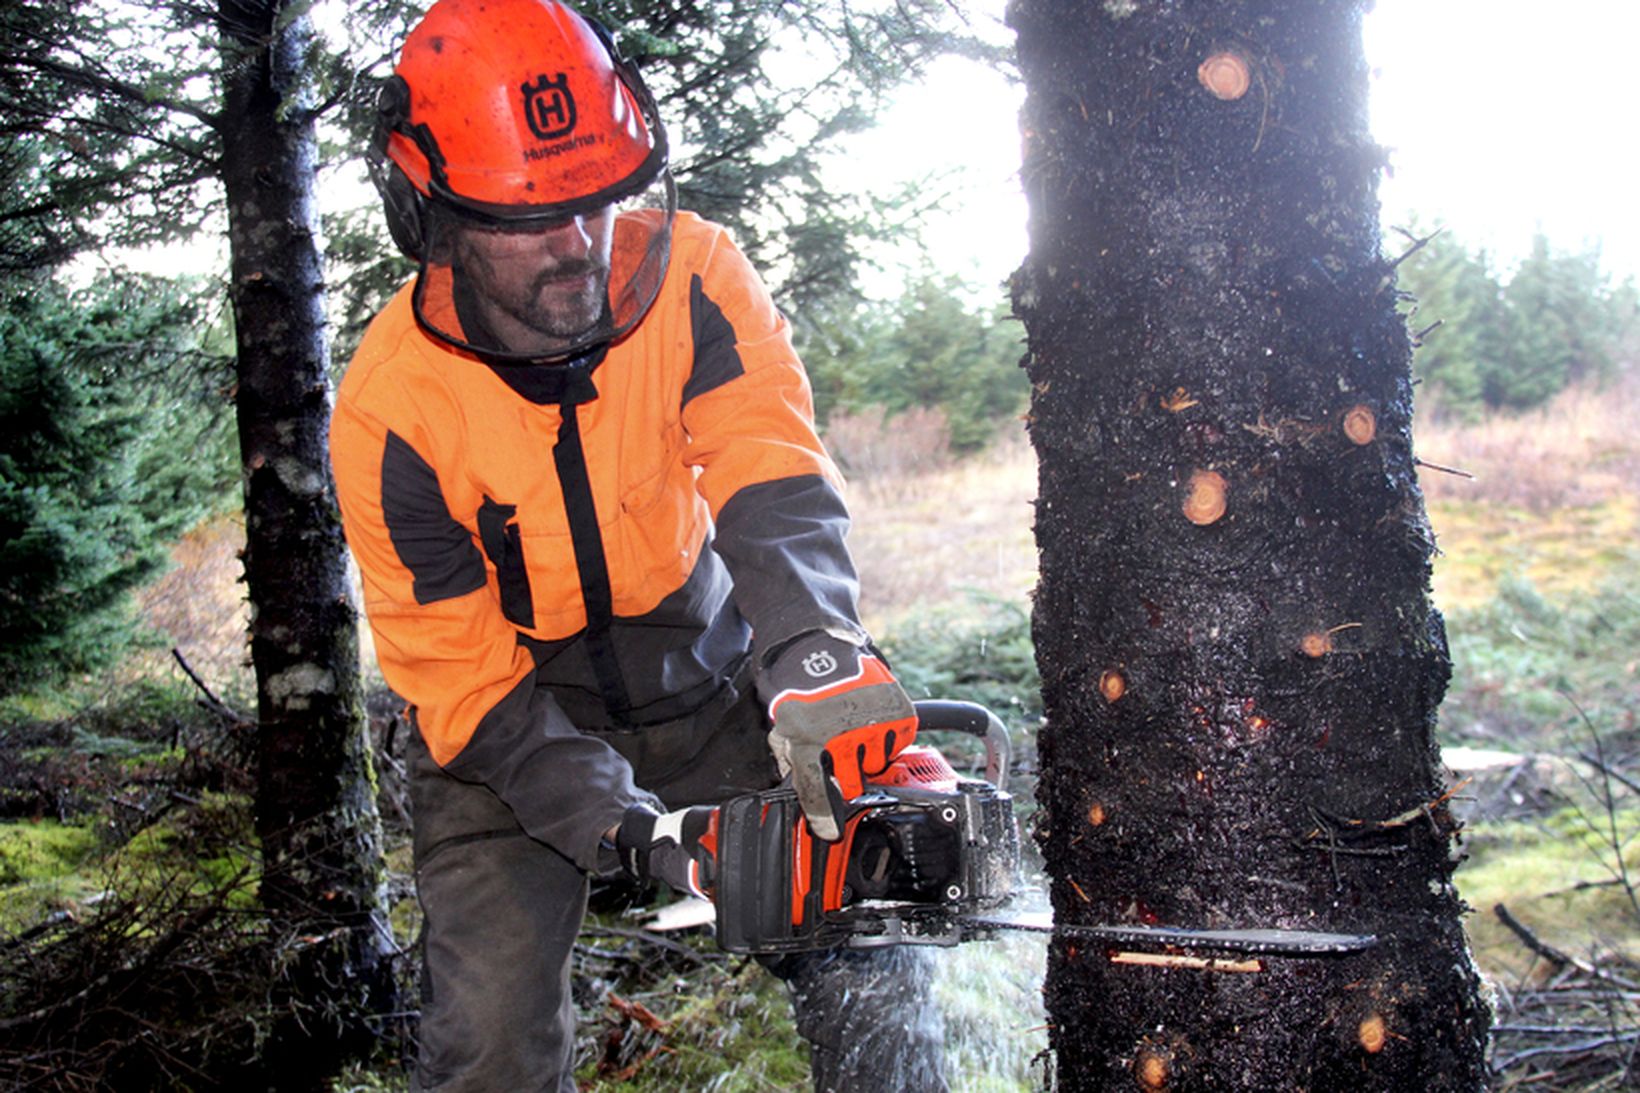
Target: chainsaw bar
x=1263 y=942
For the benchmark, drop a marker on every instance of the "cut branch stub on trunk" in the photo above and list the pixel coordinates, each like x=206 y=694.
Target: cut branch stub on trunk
x=1204 y=500
x=1226 y=74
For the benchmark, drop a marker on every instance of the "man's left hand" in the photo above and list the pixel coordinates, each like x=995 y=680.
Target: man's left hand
x=678 y=849
x=839 y=717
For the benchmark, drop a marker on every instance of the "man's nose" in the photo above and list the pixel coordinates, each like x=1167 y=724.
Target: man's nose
x=569 y=240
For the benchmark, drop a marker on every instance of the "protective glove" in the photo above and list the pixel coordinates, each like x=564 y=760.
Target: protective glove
x=839 y=717
x=678 y=848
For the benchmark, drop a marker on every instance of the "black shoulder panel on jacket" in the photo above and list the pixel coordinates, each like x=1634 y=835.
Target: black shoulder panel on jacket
x=438 y=551
x=717 y=361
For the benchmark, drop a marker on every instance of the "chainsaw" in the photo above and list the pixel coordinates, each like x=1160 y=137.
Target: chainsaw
x=925 y=857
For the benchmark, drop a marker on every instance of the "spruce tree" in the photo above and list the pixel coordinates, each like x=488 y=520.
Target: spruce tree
x=100 y=389
x=1240 y=662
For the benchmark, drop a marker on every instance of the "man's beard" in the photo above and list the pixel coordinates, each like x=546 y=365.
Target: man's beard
x=550 y=312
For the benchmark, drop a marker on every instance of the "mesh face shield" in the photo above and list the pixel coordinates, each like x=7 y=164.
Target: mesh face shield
x=523 y=164
x=529 y=285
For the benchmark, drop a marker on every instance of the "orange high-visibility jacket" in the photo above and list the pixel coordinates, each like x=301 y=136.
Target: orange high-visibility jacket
x=588 y=546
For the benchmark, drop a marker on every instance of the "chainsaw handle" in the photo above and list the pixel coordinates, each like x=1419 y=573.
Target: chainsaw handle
x=973 y=719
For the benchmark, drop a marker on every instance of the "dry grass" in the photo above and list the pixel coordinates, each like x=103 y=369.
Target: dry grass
x=931 y=537
x=872 y=446
x=1581 y=449
x=199 y=607
x=1555 y=497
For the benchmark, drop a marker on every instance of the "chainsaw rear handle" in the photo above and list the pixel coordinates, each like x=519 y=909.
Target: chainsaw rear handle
x=973 y=720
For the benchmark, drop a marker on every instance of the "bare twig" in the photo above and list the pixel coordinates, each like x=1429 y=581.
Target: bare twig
x=1584 y=994
x=1553 y=1030
x=210 y=701
x=1581 y=886
x=1442 y=469
x=1357 y=851
x=1618 y=866
x=45 y=925
x=1333 y=834
x=393 y=795
x=1554 y=955
x=1598 y=763
x=1537 y=944
x=185 y=928
x=1416 y=811
x=1418 y=244
x=1582 y=1048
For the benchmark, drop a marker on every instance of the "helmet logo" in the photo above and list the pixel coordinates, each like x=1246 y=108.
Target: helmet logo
x=549 y=107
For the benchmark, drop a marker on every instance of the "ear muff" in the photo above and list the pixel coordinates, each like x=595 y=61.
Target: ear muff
x=401 y=201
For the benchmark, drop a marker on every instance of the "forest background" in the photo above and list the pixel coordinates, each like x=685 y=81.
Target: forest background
x=123 y=765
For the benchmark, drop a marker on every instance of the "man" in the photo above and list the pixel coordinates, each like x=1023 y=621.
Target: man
x=602 y=547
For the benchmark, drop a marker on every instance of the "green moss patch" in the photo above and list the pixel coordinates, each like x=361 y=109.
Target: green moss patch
x=1556 y=877
x=1566 y=553
x=43 y=870
x=209 y=848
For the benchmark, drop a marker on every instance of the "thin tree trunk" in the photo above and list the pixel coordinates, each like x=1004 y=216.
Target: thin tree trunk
x=1241 y=665
x=315 y=805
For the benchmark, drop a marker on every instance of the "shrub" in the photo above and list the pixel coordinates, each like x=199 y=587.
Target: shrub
x=979 y=650
x=1491 y=343
x=869 y=444
x=106 y=453
x=1518 y=660
x=929 y=350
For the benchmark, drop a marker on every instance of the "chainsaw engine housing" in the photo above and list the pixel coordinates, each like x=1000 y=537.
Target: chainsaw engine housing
x=919 y=849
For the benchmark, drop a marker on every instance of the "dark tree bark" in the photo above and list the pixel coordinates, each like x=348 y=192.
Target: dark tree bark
x=1240 y=662
x=315 y=810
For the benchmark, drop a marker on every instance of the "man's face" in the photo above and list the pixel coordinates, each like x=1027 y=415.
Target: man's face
x=541 y=286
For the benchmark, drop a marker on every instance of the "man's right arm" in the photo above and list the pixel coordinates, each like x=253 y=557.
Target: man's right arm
x=444 y=645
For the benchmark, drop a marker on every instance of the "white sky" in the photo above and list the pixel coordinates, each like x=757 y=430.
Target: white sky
x=1501 y=117
x=1504 y=116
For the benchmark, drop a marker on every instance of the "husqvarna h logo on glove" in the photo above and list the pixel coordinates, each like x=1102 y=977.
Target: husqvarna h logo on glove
x=819 y=664
x=549 y=107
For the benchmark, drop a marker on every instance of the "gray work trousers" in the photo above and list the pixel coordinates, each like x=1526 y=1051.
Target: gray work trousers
x=502 y=911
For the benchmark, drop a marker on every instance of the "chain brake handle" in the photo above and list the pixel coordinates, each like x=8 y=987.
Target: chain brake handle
x=933 y=715
x=969 y=719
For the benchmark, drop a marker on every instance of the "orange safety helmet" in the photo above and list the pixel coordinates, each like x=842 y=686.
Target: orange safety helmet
x=523 y=165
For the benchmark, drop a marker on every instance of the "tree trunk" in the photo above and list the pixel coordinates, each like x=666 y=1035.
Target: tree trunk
x=1240 y=662
x=315 y=805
